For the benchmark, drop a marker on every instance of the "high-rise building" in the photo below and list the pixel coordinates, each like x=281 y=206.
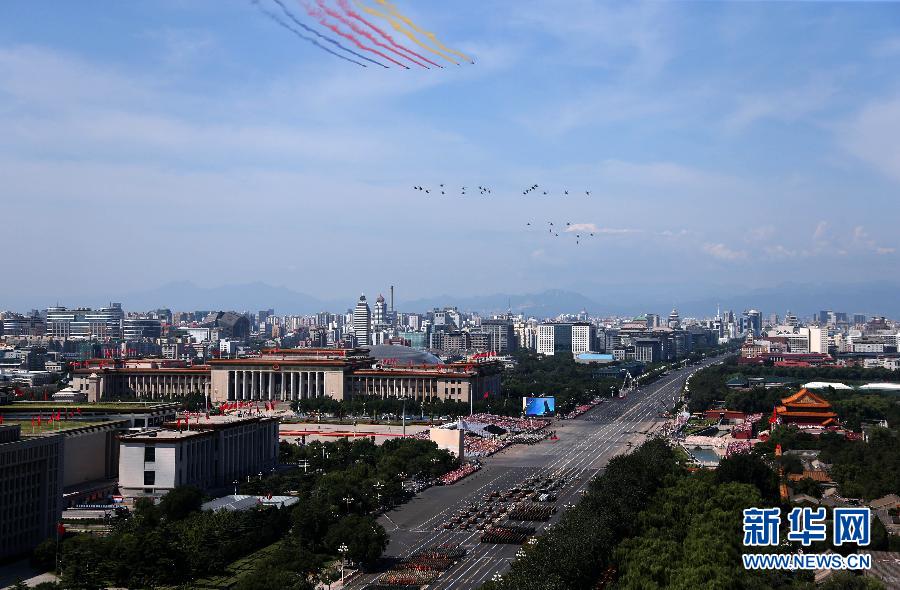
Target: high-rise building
x=379 y=316
x=362 y=322
x=85 y=323
x=502 y=333
x=14 y=324
x=674 y=320
x=560 y=337
x=137 y=328
x=752 y=322
x=582 y=337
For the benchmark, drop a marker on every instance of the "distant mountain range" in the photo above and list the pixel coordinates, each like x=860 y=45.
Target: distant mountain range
x=803 y=299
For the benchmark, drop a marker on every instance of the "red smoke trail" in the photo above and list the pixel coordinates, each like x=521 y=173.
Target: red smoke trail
x=323 y=20
x=360 y=31
x=345 y=6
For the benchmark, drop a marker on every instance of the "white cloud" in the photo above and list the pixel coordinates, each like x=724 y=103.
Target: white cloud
x=871 y=135
x=582 y=228
x=723 y=252
x=762 y=233
x=781 y=251
x=782 y=105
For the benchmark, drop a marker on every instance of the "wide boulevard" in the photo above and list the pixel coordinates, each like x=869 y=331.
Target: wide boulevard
x=582 y=449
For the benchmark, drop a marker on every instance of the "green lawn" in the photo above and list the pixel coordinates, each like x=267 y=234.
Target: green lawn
x=50 y=406
x=51 y=427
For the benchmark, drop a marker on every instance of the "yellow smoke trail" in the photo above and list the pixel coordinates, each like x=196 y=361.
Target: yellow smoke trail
x=393 y=10
x=401 y=29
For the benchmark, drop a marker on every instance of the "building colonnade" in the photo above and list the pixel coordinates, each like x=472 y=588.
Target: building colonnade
x=275 y=385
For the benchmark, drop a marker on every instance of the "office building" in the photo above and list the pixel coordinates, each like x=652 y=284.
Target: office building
x=362 y=322
x=138 y=328
x=502 y=334
x=379 y=315
x=31 y=489
x=583 y=335
x=648 y=350
x=209 y=453
x=84 y=323
x=575 y=338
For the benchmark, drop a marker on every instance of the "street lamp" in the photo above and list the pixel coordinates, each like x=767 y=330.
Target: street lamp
x=378 y=486
x=343 y=549
x=235 y=482
x=496 y=577
x=348 y=500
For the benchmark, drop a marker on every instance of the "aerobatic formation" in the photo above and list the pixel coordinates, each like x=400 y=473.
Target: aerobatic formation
x=486 y=191
x=349 y=35
x=577 y=231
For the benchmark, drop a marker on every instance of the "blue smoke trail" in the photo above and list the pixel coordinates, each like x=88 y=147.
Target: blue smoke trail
x=281 y=22
x=299 y=23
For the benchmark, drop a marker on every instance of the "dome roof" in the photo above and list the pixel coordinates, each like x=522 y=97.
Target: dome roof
x=402 y=355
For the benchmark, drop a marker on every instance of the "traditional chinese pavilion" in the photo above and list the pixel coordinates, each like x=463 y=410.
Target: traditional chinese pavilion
x=805 y=408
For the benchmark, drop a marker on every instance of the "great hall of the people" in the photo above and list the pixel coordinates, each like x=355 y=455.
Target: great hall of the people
x=291 y=374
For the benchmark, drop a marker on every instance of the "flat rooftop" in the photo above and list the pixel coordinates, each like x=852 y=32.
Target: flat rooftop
x=86 y=407
x=202 y=427
x=57 y=427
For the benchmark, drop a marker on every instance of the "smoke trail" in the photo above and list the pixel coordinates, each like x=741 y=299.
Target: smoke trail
x=401 y=29
x=284 y=24
x=320 y=16
x=345 y=6
x=393 y=10
x=337 y=43
x=360 y=31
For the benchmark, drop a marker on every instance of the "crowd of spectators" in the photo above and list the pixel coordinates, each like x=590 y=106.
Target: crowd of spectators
x=460 y=472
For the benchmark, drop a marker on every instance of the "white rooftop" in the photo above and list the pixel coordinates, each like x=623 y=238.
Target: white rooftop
x=825 y=385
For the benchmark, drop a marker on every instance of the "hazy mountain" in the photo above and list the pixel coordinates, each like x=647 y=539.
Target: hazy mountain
x=877 y=298
x=185 y=295
x=546 y=303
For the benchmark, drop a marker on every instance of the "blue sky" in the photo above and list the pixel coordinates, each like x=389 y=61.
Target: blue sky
x=726 y=145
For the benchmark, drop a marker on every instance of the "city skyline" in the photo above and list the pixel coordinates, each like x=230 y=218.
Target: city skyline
x=873 y=299
x=188 y=134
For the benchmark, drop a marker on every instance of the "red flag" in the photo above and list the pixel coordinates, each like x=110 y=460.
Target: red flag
x=178 y=421
x=32 y=422
x=486 y=395
x=774 y=417
x=1 y=418
x=60 y=529
x=78 y=410
x=39 y=419
x=45 y=396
